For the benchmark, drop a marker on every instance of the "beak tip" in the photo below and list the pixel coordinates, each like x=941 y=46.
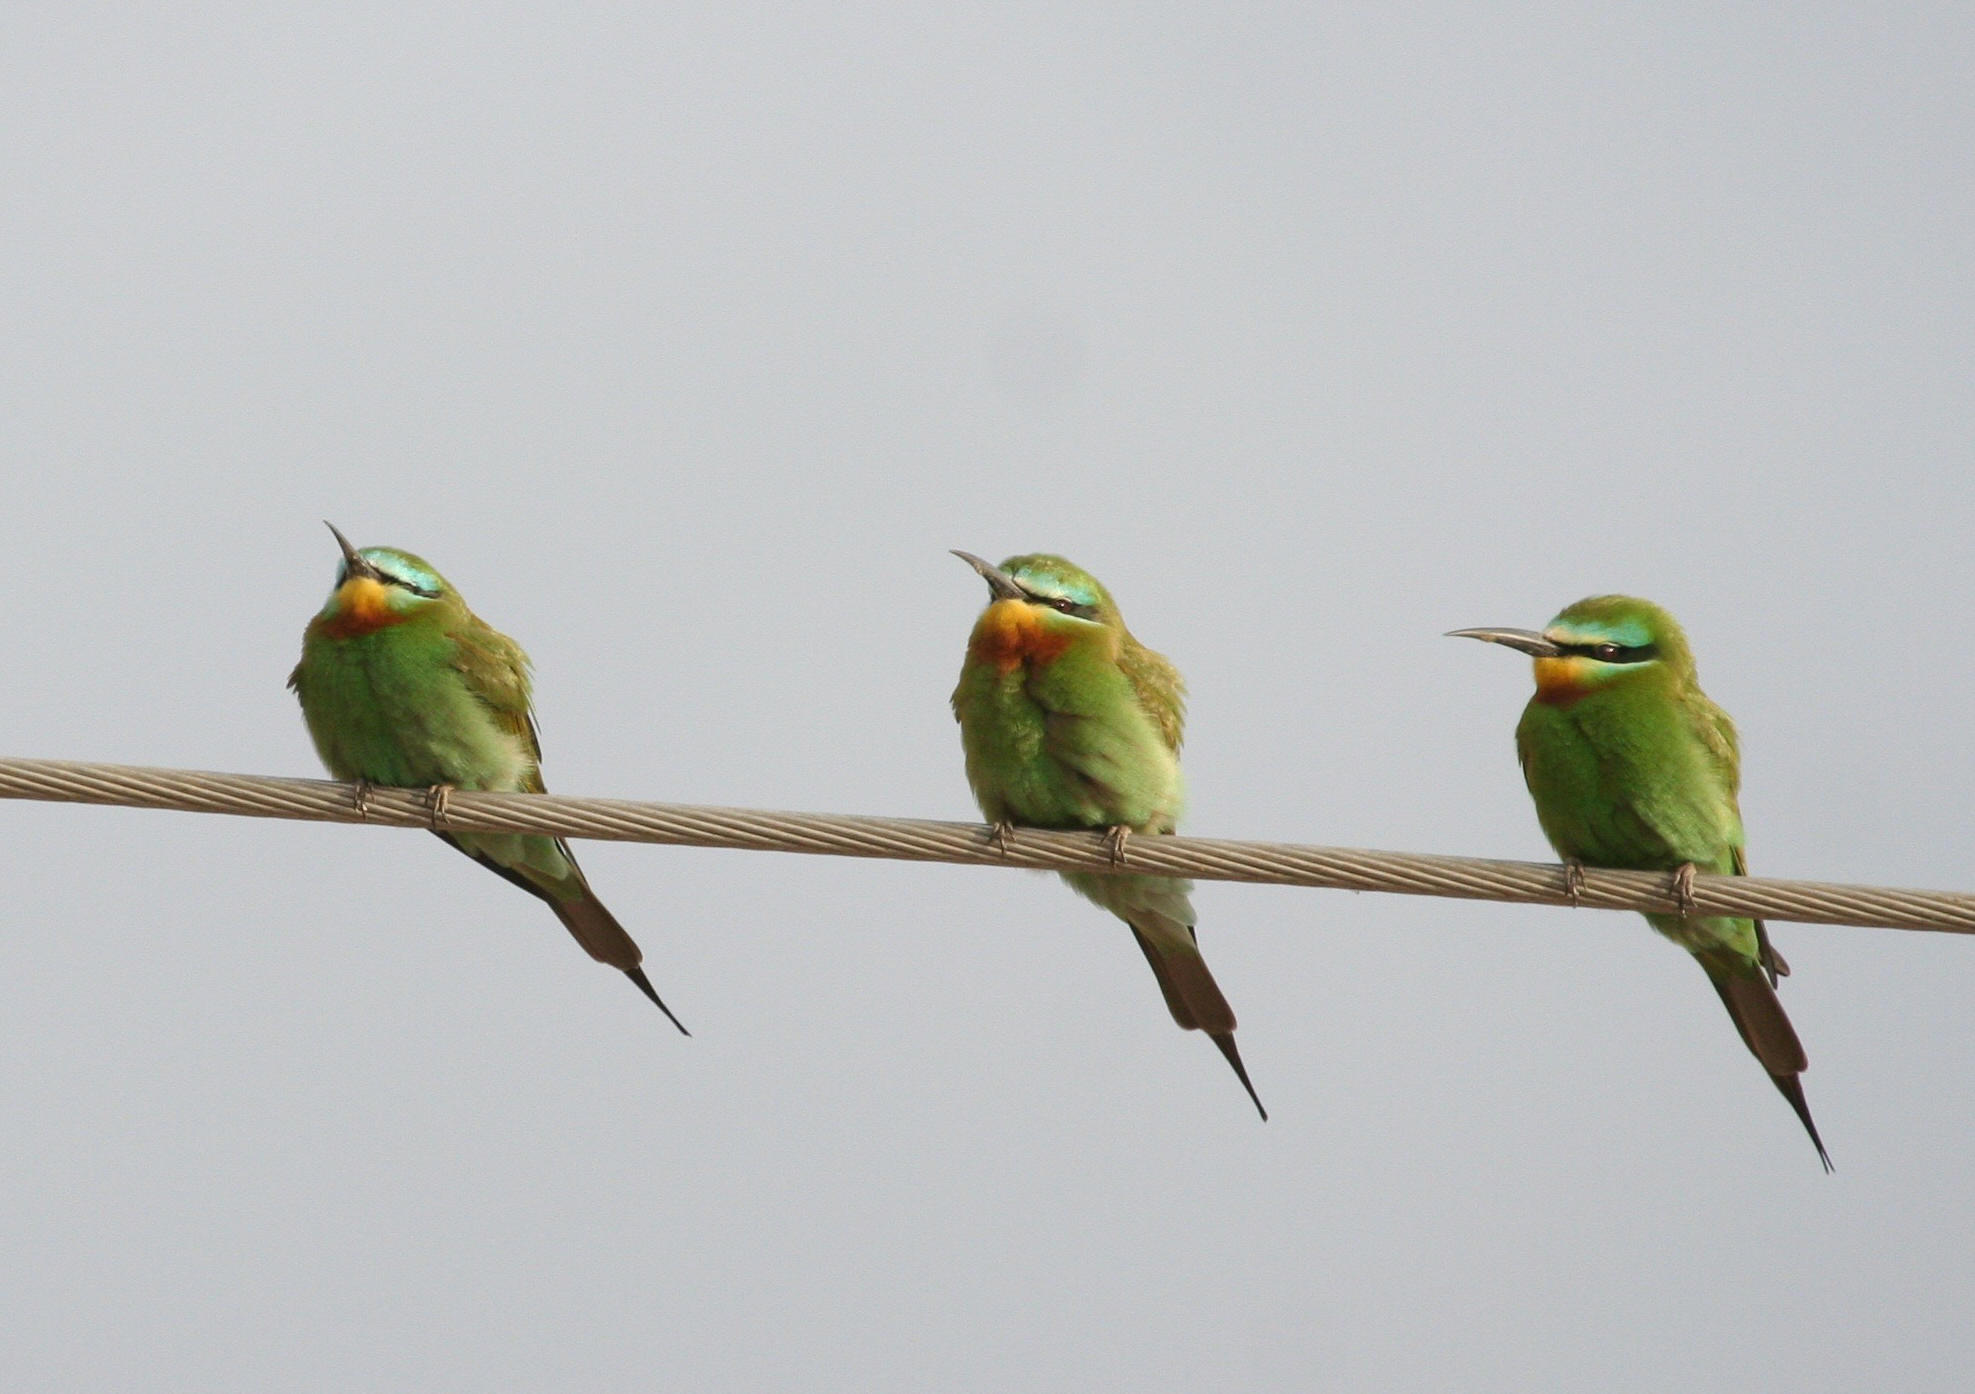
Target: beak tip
x=352 y=557
x=1003 y=586
x=1524 y=640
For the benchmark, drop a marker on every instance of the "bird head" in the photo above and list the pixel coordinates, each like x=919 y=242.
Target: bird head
x=1040 y=605
x=1601 y=642
x=379 y=586
x=1048 y=582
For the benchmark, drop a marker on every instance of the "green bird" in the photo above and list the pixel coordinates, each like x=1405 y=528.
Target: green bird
x=402 y=685
x=1069 y=722
x=1631 y=766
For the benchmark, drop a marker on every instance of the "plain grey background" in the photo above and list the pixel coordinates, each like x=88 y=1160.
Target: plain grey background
x=686 y=341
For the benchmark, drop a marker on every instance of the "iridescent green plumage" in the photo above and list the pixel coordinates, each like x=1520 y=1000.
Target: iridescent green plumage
x=1069 y=722
x=402 y=685
x=1631 y=765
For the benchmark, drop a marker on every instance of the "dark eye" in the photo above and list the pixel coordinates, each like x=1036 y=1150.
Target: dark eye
x=1063 y=603
x=1606 y=653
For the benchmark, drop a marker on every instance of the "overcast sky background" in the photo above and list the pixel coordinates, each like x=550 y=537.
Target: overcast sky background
x=686 y=342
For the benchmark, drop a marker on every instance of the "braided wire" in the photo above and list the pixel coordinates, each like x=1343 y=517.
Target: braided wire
x=974 y=844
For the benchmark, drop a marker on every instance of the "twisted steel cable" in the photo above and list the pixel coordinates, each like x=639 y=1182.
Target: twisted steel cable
x=975 y=844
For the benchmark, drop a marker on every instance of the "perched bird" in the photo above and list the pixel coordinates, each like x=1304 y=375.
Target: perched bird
x=1631 y=766
x=402 y=685
x=1070 y=722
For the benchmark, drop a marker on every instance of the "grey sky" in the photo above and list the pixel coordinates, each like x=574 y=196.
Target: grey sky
x=686 y=343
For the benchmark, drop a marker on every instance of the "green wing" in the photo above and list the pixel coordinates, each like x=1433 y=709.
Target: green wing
x=1718 y=739
x=495 y=670
x=1110 y=732
x=1687 y=810
x=1161 y=691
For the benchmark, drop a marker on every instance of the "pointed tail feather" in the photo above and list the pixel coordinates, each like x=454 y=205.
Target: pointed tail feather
x=1225 y=1040
x=1791 y=1088
x=1753 y=1007
x=586 y=919
x=1192 y=995
x=1767 y=1032
x=605 y=940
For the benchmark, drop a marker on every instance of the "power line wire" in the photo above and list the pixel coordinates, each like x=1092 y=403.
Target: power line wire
x=974 y=844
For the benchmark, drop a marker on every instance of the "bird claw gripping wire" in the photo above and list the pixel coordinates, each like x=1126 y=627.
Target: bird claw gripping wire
x=438 y=805
x=1002 y=837
x=1573 y=880
x=1114 y=843
x=1683 y=890
x=360 y=797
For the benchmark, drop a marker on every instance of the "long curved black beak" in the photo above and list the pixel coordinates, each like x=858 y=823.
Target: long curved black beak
x=353 y=560
x=1528 y=640
x=1004 y=586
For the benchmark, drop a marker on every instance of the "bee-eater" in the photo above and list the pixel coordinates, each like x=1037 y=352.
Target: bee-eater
x=402 y=685
x=1070 y=722
x=1631 y=766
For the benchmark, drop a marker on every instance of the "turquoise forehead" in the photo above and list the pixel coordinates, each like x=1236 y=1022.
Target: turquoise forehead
x=1628 y=631
x=1041 y=575
x=401 y=566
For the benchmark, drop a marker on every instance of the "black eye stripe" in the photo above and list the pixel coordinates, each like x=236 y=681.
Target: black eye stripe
x=1611 y=653
x=391 y=578
x=343 y=574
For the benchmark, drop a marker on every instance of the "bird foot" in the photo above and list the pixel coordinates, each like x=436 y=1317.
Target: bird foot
x=1573 y=880
x=1683 y=890
x=1003 y=837
x=438 y=805
x=1114 y=843
x=360 y=797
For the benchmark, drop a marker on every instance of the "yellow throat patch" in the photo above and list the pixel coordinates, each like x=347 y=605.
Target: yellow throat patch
x=362 y=606
x=1011 y=633
x=1562 y=680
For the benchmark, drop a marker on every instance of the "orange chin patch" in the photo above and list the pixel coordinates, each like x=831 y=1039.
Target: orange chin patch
x=1011 y=633
x=1561 y=680
x=362 y=606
